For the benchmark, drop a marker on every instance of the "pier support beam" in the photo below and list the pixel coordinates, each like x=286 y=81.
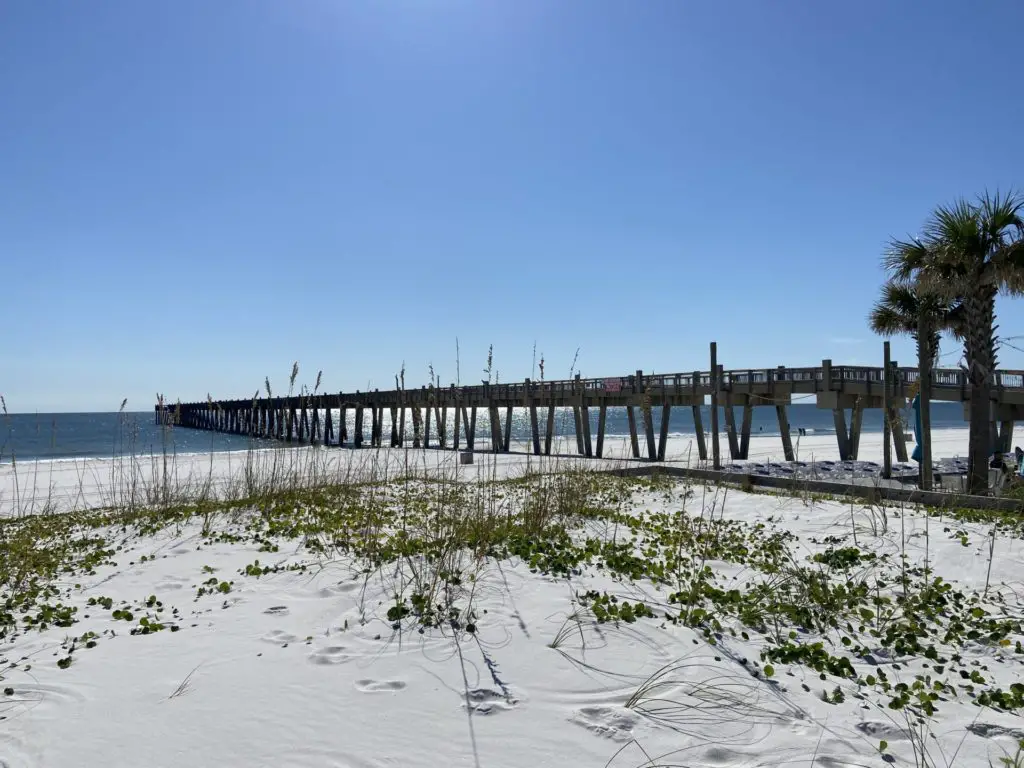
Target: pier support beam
x=417 y=426
x=471 y=429
x=579 y=429
x=602 y=415
x=394 y=426
x=508 y=430
x=842 y=437
x=633 y=439
x=442 y=425
x=787 y=438
x=652 y=449
x=1003 y=433
x=698 y=425
x=426 y=430
x=588 y=445
x=495 y=429
x=359 y=427
x=342 y=425
x=730 y=429
x=856 y=421
x=550 y=432
x=457 y=431
x=534 y=429
x=748 y=417
x=666 y=414
x=899 y=439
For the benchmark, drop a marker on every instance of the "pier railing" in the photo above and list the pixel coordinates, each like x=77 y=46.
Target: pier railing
x=697 y=383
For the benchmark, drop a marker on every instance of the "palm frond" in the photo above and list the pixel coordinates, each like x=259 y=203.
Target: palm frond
x=903 y=259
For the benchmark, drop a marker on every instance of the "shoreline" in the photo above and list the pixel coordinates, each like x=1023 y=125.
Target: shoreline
x=523 y=444
x=46 y=486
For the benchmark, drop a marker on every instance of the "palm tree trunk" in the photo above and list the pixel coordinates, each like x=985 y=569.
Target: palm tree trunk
x=979 y=311
x=925 y=356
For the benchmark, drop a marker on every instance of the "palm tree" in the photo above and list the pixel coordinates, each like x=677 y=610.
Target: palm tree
x=973 y=251
x=905 y=308
x=898 y=311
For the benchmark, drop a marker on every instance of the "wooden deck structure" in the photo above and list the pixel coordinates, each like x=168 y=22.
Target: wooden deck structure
x=839 y=388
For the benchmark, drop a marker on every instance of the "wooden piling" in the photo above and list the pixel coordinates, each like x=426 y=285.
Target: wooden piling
x=698 y=425
x=666 y=415
x=534 y=429
x=417 y=426
x=716 y=453
x=856 y=420
x=507 y=446
x=588 y=445
x=842 y=436
x=633 y=439
x=495 y=429
x=602 y=415
x=550 y=432
x=787 y=438
x=652 y=449
x=886 y=411
x=579 y=428
x=748 y=418
x=730 y=429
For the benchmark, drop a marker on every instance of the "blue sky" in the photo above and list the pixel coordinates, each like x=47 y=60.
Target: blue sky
x=197 y=194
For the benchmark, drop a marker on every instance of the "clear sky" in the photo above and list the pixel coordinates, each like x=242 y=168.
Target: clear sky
x=195 y=194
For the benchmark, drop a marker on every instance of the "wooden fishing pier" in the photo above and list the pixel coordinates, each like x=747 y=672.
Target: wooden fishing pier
x=839 y=388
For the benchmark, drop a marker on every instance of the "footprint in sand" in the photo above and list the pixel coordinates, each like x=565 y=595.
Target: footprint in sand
x=990 y=731
x=332 y=654
x=279 y=637
x=485 y=701
x=880 y=730
x=612 y=723
x=379 y=686
x=277 y=610
x=341 y=588
x=722 y=756
x=171 y=582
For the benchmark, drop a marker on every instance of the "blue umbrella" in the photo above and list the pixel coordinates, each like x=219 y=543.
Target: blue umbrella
x=916 y=405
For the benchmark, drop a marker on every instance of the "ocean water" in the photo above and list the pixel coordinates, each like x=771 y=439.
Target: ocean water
x=83 y=435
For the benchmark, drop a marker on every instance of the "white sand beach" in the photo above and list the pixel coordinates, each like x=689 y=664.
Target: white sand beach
x=284 y=654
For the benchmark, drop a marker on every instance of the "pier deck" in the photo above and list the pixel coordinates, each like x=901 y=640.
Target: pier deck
x=840 y=388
